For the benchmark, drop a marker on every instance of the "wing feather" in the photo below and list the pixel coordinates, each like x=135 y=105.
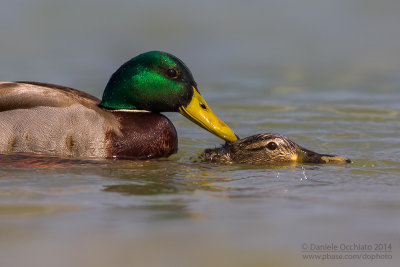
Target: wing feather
x=24 y=95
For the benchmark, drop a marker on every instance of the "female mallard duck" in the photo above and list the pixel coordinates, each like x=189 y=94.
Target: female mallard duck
x=267 y=149
x=51 y=119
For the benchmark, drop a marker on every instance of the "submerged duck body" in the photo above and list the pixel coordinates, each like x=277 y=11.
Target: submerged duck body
x=267 y=148
x=50 y=119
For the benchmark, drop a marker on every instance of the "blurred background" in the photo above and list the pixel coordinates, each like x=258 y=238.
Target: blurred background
x=80 y=43
x=325 y=73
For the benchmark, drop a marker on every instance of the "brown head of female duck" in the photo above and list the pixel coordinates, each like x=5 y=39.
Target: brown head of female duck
x=267 y=148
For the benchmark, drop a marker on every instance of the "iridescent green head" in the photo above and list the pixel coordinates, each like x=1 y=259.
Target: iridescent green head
x=160 y=82
x=154 y=81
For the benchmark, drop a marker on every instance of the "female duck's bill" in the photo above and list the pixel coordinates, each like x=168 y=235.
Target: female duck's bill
x=308 y=156
x=267 y=149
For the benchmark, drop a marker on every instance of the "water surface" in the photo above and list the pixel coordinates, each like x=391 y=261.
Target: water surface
x=331 y=86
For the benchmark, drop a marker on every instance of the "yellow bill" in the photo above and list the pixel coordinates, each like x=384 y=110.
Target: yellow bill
x=200 y=113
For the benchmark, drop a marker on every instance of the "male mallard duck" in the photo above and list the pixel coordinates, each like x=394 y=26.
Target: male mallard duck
x=51 y=119
x=267 y=149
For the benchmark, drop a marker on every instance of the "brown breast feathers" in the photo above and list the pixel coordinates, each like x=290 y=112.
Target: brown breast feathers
x=143 y=135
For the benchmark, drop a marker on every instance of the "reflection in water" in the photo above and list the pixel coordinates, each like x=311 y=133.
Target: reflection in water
x=158 y=177
x=151 y=188
x=26 y=160
x=164 y=177
x=33 y=210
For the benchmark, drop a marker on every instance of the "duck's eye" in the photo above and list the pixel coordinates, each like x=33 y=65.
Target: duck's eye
x=272 y=146
x=172 y=73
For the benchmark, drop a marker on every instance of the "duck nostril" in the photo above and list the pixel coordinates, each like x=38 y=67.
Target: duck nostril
x=203 y=106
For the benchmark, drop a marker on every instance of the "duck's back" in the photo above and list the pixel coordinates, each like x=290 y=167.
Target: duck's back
x=50 y=119
x=24 y=95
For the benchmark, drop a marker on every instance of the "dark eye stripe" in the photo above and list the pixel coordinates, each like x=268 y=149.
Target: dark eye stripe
x=257 y=148
x=269 y=146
